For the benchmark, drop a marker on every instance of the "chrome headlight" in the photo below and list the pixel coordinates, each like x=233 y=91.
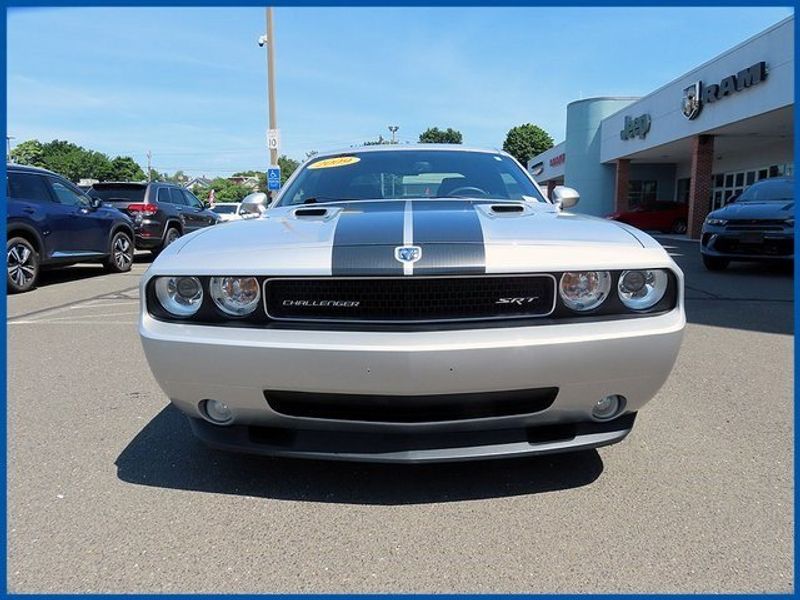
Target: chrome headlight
x=640 y=290
x=712 y=221
x=180 y=296
x=584 y=290
x=236 y=296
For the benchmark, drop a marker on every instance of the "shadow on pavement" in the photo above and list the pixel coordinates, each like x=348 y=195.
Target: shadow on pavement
x=166 y=454
x=55 y=275
x=747 y=295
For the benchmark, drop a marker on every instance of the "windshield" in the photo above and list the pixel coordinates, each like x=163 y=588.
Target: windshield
x=226 y=209
x=778 y=190
x=118 y=192
x=399 y=174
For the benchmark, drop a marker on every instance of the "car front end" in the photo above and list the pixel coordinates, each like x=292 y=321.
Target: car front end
x=412 y=329
x=756 y=226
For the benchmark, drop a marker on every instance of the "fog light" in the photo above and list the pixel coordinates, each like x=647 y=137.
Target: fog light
x=217 y=412
x=608 y=407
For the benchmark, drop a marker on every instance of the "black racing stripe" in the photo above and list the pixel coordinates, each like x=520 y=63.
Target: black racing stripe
x=450 y=234
x=365 y=238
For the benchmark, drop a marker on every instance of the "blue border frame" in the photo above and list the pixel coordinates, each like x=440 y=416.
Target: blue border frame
x=362 y=3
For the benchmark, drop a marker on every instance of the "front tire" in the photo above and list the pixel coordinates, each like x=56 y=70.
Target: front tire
x=169 y=237
x=22 y=265
x=679 y=226
x=121 y=258
x=715 y=263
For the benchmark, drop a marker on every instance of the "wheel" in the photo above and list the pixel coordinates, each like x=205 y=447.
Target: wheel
x=171 y=235
x=23 y=265
x=679 y=226
x=121 y=258
x=715 y=263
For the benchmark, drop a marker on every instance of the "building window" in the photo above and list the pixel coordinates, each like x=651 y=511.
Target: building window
x=682 y=189
x=728 y=186
x=642 y=192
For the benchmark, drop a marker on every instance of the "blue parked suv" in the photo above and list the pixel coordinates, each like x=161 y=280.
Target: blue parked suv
x=51 y=222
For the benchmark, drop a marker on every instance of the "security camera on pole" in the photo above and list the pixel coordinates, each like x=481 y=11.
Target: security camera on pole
x=273 y=135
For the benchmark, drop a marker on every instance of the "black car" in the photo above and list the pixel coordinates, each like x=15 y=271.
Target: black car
x=161 y=212
x=757 y=226
x=52 y=222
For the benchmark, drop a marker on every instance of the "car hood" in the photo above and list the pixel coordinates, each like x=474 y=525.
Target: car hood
x=755 y=210
x=453 y=236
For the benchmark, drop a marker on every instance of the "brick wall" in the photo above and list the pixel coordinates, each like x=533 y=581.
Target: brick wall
x=700 y=186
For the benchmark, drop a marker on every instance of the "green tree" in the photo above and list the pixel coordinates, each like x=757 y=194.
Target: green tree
x=225 y=190
x=288 y=166
x=75 y=162
x=434 y=135
x=30 y=152
x=124 y=168
x=526 y=141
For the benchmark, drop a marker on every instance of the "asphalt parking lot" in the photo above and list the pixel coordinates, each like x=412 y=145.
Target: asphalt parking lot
x=109 y=492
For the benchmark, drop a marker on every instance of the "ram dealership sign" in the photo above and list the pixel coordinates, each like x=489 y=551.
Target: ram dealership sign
x=637 y=127
x=697 y=95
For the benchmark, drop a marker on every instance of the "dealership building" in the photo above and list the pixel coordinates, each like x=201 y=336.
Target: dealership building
x=700 y=139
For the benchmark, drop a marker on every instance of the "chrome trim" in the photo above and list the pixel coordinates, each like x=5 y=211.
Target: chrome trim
x=410 y=321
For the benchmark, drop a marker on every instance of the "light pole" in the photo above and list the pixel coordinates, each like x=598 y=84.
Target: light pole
x=268 y=40
x=8 y=147
x=393 y=129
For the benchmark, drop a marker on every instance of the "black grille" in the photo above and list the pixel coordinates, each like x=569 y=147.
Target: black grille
x=411 y=299
x=411 y=409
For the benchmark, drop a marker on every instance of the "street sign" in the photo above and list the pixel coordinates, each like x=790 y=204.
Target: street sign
x=273 y=138
x=273 y=178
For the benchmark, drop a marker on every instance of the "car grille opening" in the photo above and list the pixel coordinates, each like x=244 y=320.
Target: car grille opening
x=410 y=299
x=411 y=409
x=762 y=247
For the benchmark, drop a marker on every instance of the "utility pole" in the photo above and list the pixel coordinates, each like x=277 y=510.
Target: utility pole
x=393 y=129
x=149 y=159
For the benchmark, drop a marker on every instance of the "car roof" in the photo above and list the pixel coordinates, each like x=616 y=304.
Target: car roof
x=405 y=148
x=226 y=203
x=28 y=168
x=788 y=178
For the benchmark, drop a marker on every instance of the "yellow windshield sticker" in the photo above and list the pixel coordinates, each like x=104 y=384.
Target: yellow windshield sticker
x=339 y=161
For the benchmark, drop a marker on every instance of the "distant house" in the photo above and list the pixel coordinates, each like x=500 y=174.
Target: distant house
x=247 y=181
x=197 y=182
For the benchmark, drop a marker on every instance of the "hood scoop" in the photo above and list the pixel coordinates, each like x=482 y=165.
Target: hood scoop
x=316 y=213
x=505 y=210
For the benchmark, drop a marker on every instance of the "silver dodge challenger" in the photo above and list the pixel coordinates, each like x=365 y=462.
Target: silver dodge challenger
x=413 y=304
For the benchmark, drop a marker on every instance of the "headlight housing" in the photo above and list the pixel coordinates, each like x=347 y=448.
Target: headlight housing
x=237 y=296
x=179 y=296
x=584 y=290
x=789 y=222
x=642 y=289
x=714 y=221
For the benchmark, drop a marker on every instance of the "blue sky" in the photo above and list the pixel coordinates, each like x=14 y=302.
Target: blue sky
x=190 y=83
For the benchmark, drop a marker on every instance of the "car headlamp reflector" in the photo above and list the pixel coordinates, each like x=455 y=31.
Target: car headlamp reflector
x=640 y=290
x=584 y=290
x=180 y=296
x=236 y=296
x=715 y=221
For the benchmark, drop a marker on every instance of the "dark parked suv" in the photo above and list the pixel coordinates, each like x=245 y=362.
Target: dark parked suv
x=757 y=226
x=161 y=212
x=52 y=222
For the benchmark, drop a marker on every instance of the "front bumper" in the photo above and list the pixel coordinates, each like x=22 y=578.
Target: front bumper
x=585 y=361
x=752 y=244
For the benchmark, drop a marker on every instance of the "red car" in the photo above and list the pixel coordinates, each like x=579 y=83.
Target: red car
x=668 y=217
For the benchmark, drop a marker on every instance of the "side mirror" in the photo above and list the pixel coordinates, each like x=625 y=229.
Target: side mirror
x=565 y=197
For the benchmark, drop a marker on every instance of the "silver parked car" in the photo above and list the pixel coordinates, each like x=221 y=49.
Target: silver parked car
x=413 y=303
